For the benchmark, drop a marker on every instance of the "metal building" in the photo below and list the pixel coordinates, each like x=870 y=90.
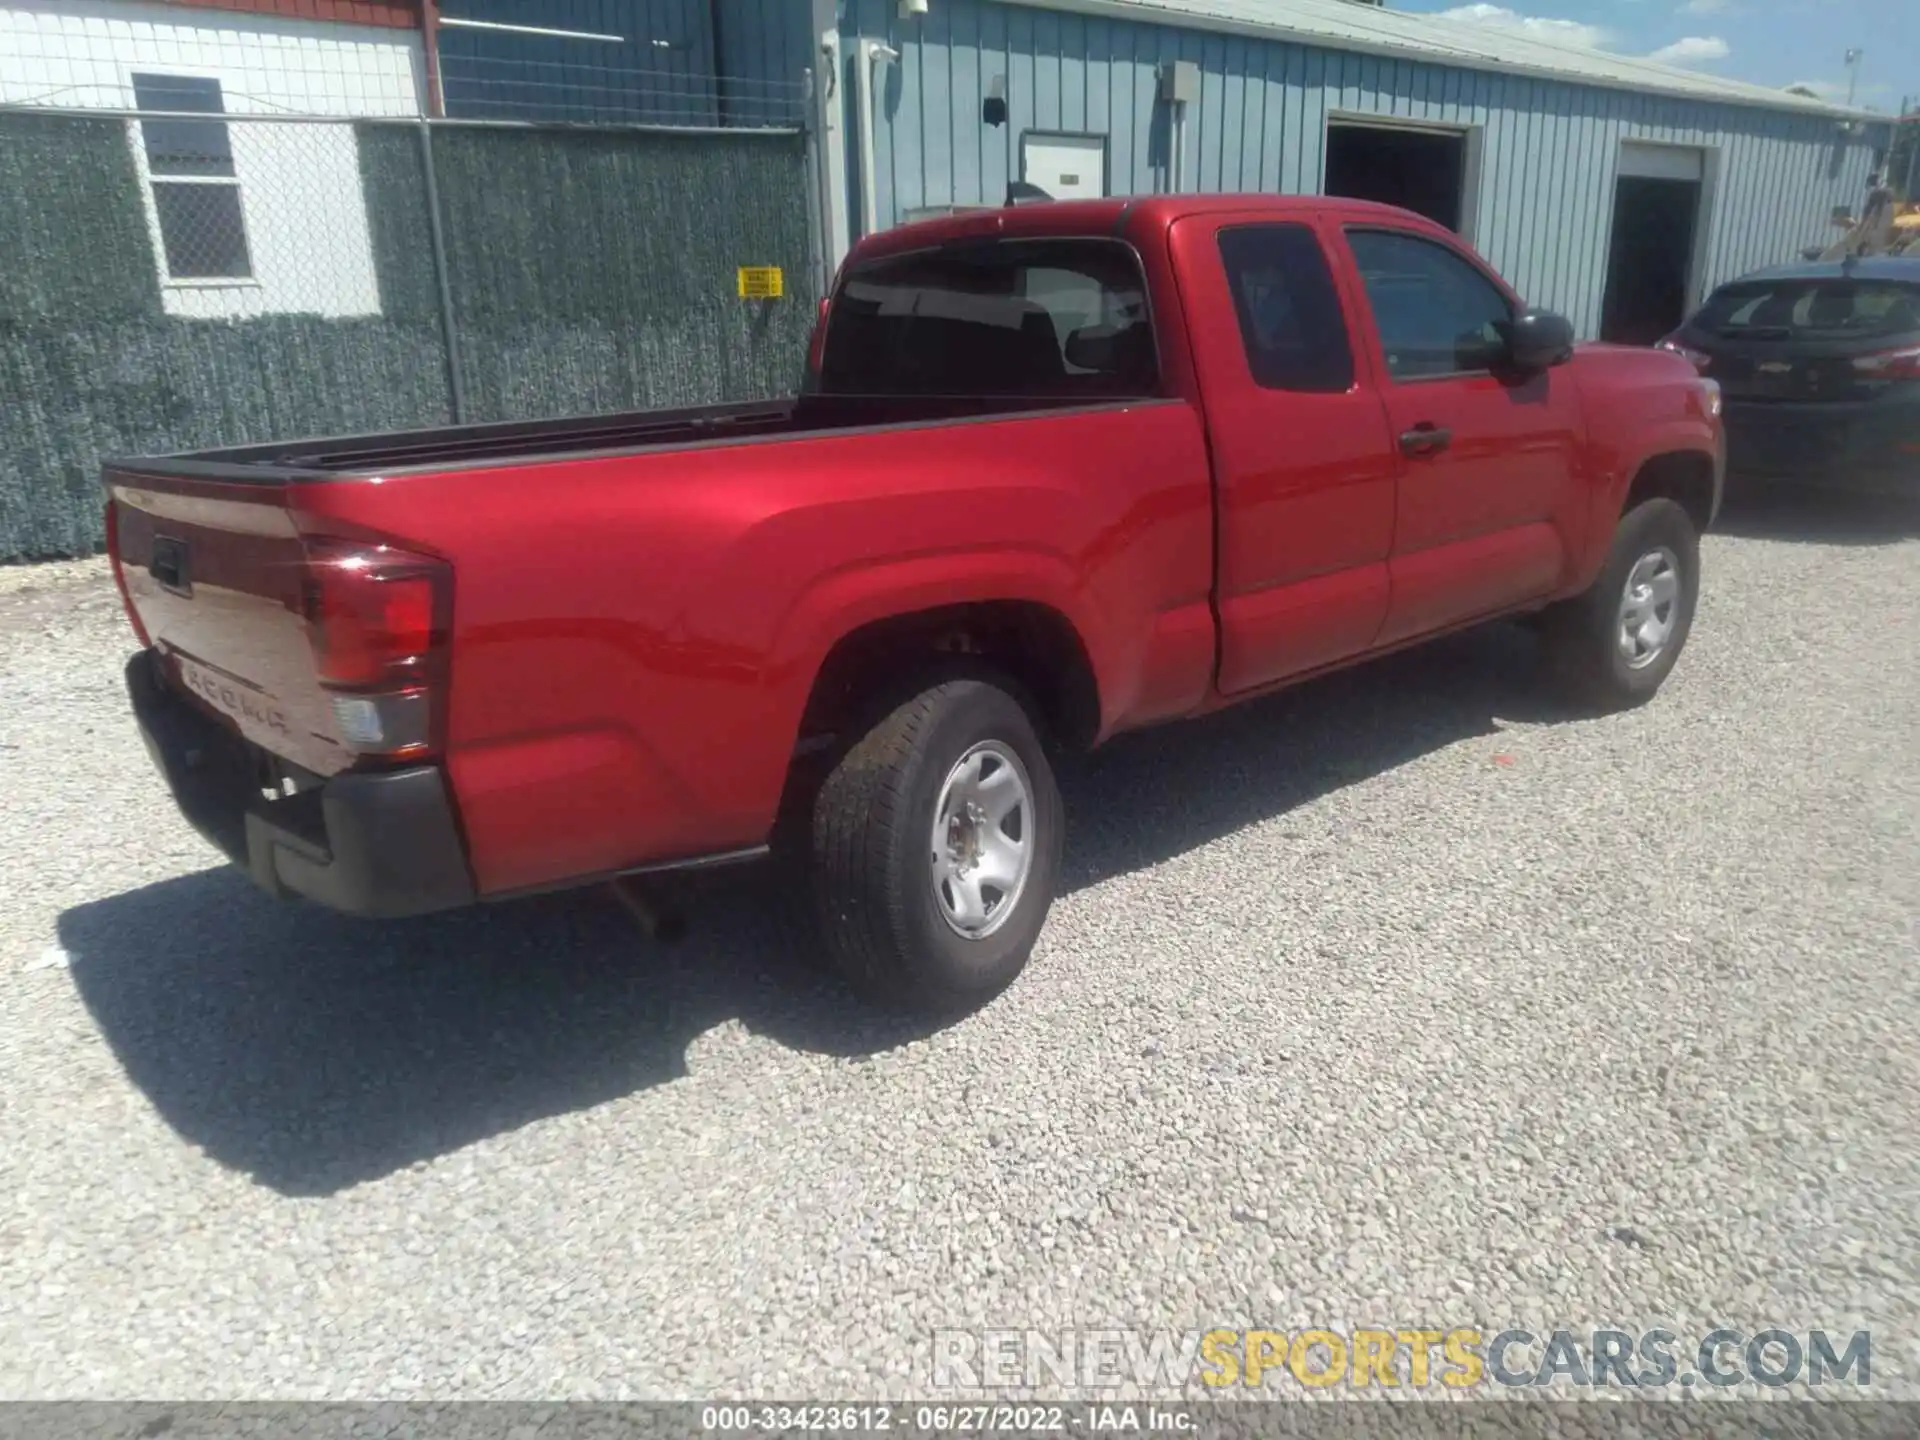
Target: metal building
x=1613 y=189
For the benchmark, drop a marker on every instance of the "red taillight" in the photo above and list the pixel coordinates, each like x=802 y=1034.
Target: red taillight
x=365 y=624
x=1892 y=365
x=119 y=574
x=377 y=618
x=1699 y=359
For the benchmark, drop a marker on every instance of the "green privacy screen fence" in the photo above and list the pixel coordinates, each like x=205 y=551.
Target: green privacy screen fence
x=158 y=294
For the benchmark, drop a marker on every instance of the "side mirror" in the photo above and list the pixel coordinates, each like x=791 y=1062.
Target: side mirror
x=1538 y=340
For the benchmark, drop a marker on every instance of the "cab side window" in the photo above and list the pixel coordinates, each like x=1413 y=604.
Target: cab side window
x=1437 y=314
x=1289 y=312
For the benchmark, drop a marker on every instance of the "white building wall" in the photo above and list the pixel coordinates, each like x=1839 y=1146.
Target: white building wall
x=305 y=214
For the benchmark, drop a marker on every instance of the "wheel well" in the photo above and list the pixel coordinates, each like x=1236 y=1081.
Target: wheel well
x=1682 y=476
x=1034 y=644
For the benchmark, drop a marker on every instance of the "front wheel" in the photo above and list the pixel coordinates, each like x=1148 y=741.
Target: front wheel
x=1614 y=645
x=936 y=849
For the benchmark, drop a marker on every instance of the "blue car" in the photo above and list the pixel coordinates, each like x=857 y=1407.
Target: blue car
x=1819 y=367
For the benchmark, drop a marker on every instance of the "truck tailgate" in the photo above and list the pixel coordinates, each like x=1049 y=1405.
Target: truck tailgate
x=214 y=575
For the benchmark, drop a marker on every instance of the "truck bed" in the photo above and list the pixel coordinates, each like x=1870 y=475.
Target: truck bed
x=452 y=447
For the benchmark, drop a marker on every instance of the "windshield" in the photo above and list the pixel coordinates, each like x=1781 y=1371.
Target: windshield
x=1837 y=309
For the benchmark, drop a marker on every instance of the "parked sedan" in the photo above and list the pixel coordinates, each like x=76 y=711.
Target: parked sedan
x=1819 y=365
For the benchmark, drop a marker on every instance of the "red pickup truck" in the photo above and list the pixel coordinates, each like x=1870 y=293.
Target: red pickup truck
x=1057 y=471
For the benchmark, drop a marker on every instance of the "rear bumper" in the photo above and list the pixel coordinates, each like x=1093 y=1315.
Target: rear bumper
x=1841 y=479
x=378 y=845
x=1859 y=447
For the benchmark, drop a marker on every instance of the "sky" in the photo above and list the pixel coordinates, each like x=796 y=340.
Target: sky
x=1768 y=42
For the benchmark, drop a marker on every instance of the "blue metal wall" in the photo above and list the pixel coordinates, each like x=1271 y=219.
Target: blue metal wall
x=676 y=62
x=765 y=40
x=1543 y=208
x=660 y=72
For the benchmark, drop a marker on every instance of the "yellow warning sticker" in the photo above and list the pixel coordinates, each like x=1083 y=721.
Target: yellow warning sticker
x=762 y=282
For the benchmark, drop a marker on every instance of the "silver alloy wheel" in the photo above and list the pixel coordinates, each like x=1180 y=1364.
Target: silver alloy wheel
x=983 y=840
x=1649 y=606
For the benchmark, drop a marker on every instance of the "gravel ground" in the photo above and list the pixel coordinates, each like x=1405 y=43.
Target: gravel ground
x=1402 y=999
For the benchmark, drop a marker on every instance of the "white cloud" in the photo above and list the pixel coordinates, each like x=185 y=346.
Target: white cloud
x=1566 y=32
x=1837 y=90
x=1693 y=50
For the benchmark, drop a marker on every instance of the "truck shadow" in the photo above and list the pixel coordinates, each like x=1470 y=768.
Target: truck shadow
x=315 y=1052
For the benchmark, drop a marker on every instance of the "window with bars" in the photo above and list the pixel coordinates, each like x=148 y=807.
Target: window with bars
x=196 y=190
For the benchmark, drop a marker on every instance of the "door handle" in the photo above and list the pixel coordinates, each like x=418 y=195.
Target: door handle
x=1426 y=438
x=168 y=565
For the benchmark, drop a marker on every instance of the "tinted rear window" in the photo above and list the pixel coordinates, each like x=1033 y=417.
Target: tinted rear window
x=1289 y=312
x=1812 y=310
x=1058 y=318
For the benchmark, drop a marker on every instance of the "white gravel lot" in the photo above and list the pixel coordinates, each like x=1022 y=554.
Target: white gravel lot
x=1403 y=999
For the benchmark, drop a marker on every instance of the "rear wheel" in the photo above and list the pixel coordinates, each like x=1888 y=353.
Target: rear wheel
x=1614 y=645
x=936 y=848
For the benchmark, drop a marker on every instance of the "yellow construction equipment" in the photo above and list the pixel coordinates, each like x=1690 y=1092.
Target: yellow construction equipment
x=1905 y=239
x=1884 y=228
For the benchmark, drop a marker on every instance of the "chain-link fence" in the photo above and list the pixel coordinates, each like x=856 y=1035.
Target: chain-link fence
x=485 y=87
x=194 y=266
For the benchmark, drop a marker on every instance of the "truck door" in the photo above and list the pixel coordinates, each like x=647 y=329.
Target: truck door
x=1303 y=462
x=1486 y=514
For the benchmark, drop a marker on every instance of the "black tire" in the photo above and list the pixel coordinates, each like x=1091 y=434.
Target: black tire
x=1582 y=635
x=872 y=871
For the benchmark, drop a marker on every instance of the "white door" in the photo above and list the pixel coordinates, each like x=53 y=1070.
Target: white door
x=1662 y=162
x=1067 y=167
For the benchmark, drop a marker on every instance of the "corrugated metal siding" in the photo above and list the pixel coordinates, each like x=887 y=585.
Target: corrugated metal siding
x=679 y=62
x=763 y=40
x=489 y=74
x=1343 y=25
x=1543 y=208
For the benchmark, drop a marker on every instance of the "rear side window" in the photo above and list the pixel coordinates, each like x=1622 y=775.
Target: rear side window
x=1289 y=312
x=1064 y=318
x=1836 y=309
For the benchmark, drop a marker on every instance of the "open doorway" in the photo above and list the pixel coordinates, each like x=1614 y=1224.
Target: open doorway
x=1421 y=170
x=1650 y=260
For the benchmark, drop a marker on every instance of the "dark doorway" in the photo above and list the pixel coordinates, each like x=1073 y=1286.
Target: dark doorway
x=1650 y=260
x=1424 y=171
